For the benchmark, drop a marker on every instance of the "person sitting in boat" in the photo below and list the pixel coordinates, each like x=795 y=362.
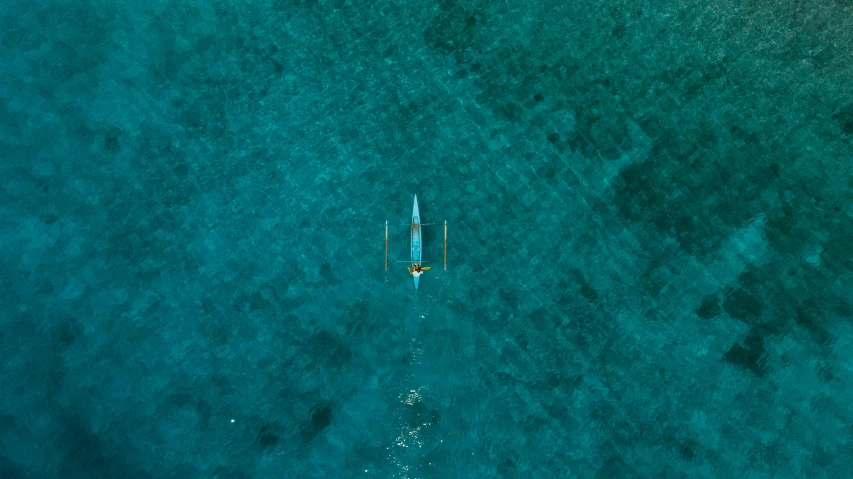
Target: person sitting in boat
x=416 y=270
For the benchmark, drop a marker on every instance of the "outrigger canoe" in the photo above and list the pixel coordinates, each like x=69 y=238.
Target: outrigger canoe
x=417 y=236
x=416 y=242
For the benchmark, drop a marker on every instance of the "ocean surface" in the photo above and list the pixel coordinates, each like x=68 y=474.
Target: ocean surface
x=650 y=225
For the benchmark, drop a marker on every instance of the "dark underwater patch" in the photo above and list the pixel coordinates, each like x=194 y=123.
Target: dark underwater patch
x=360 y=323
x=508 y=298
x=88 y=455
x=600 y=133
x=187 y=401
x=709 y=308
x=506 y=468
x=111 y=141
x=612 y=466
x=636 y=191
x=687 y=449
x=825 y=372
x=328 y=276
x=319 y=419
x=68 y=330
x=328 y=351
x=749 y=355
x=452 y=30
x=10 y=470
x=587 y=291
x=221 y=384
x=742 y=305
x=844 y=118
x=808 y=316
x=268 y=436
x=224 y=472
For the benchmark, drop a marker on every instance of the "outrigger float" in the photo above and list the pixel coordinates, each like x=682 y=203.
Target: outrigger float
x=416 y=242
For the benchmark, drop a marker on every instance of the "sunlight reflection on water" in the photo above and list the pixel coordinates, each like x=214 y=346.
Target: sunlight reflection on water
x=409 y=432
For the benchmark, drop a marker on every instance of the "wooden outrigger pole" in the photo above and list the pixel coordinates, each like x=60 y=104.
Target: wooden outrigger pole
x=445 y=247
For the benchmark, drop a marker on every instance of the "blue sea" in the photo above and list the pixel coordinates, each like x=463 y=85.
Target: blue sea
x=649 y=213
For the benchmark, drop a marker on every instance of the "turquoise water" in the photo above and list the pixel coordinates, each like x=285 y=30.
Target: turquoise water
x=649 y=228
